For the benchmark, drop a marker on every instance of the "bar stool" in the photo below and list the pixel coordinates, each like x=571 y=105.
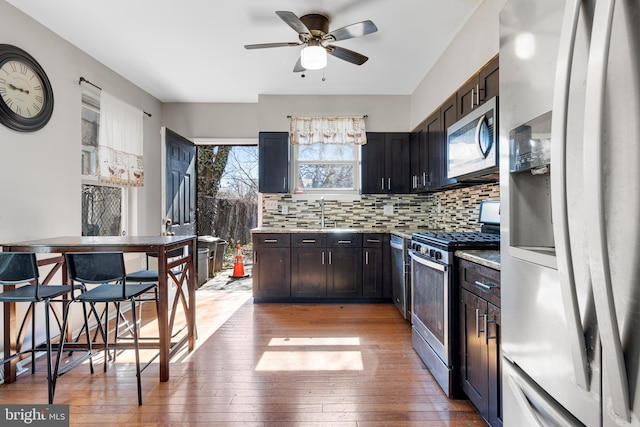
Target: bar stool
x=20 y=269
x=107 y=270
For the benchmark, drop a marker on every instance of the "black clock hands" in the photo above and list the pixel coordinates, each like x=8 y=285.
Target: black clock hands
x=18 y=88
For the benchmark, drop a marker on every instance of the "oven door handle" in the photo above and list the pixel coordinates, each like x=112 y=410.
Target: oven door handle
x=426 y=262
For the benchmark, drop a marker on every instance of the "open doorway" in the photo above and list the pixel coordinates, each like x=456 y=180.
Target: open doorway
x=227 y=200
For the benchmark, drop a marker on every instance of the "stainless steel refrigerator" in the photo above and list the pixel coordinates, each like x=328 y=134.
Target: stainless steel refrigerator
x=570 y=212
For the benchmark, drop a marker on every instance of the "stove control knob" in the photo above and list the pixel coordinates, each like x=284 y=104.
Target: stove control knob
x=438 y=255
x=432 y=253
x=423 y=250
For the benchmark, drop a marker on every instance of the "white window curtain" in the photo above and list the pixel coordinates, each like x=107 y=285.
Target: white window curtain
x=327 y=130
x=120 y=143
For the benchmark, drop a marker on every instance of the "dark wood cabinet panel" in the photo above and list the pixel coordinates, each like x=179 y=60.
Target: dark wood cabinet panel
x=385 y=163
x=309 y=272
x=344 y=273
x=375 y=264
x=271 y=265
x=474 y=372
x=449 y=114
x=271 y=272
x=273 y=162
x=373 y=170
x=372 y=272
x=435 y=146
x=489 y=80
x=397 y=162
x=480 y=339
x=481 y=87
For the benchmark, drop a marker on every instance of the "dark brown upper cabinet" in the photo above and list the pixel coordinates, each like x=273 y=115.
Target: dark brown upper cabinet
x=385 y=163
x=273 y=162
x=481 y=87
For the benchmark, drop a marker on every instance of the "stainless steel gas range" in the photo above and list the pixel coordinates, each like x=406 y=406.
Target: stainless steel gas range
x=434 y=313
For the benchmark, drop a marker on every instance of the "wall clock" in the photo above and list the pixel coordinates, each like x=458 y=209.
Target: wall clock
x=26 y=97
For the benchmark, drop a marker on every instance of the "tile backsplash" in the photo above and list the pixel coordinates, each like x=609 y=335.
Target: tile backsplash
x=452 y=210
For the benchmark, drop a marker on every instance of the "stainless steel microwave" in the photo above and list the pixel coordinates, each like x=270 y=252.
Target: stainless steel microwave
x=472 y=143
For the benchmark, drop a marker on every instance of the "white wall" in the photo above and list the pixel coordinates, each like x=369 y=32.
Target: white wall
x=40 y=171
x=473 y=46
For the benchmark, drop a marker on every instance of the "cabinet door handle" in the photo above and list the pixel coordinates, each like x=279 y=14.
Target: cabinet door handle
x=382 y=183
x=373 y=240
x=329 y=257
x=478 y=330
x=472 y=89
x=284 y=182
x=322 y=257
x=424 y=179
x=344 y=242
x=255 y=257
x=271 y=240
x=389 y=184
x=366 y=257
x=308 y=240
x=477 y=94
x=487 y=286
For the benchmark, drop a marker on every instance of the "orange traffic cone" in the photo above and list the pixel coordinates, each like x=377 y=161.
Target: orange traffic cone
x=238 y=266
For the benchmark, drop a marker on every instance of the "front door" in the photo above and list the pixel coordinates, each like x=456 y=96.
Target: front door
x=180 y=183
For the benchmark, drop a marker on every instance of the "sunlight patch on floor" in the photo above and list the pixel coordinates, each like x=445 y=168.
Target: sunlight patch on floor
x=314 y=341
x=310 y=361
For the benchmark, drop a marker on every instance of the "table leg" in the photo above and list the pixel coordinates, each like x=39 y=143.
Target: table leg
x=163 y=314
x=10 y=342
x=191 y=286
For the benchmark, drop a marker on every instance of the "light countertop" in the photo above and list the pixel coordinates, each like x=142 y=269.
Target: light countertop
x=488 y=258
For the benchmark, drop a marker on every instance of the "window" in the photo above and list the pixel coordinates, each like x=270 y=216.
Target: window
x=326 y=168
x=103 y=206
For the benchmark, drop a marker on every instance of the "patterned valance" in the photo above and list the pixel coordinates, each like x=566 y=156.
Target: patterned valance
x=327 y=130
x=120 y=143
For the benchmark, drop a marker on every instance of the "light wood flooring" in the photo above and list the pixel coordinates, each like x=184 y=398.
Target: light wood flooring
x=266 y=365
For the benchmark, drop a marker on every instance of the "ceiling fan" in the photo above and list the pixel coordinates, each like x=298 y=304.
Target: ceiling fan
x=313 y=32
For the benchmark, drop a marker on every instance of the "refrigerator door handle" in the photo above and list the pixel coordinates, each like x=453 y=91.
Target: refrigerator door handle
x=523 y=402
x=612 y=354
x=538 y=409
x=559 y=212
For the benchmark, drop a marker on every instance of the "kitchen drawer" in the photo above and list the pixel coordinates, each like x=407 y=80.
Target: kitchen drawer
x=276 y=240
x=373 y=240
x=315 y=240
x=481 y=281
x=344 y=240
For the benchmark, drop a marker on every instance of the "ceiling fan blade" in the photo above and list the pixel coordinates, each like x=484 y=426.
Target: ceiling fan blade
x=350 y=31
x=298 y=68
x=293 y=21
x=266 y=45
x=347 y=55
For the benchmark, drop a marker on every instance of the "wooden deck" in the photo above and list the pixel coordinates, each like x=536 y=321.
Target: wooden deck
x=266 y=365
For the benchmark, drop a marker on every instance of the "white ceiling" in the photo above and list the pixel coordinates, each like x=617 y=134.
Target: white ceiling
x=193 y=50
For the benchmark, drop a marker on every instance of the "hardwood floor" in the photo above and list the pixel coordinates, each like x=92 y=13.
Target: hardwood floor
x=267 y=365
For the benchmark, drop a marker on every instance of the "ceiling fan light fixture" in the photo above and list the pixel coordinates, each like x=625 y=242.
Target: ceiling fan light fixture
x=313 y=57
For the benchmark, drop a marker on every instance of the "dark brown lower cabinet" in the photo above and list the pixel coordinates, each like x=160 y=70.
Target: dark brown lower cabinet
x=344 y=274
x=271 y=266
x=331 y=265
x=480 y=339
x=374 y=265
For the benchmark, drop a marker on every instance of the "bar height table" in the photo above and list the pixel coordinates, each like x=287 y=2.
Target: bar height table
x=158 y=244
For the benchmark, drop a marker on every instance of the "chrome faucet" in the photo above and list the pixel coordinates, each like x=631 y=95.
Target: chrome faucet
x=322 y=212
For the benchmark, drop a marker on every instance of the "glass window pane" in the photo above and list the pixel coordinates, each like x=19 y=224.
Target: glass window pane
x=101 y=210
x=339 y=176
x=326 y=152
